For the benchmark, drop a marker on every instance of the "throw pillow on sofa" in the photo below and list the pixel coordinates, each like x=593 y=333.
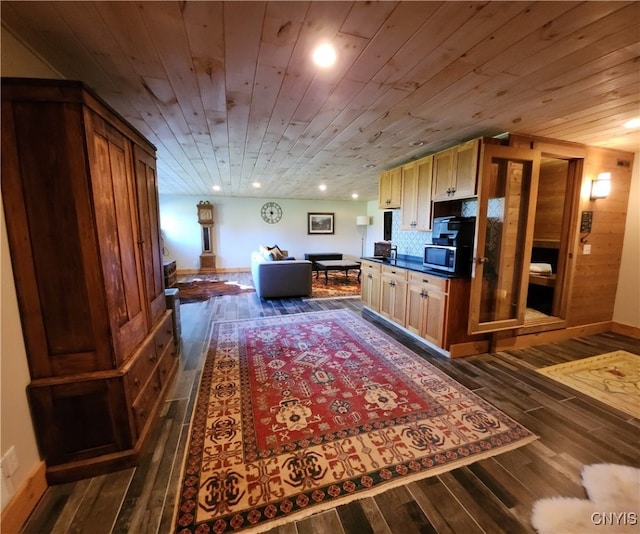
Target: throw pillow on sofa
x=273 y=253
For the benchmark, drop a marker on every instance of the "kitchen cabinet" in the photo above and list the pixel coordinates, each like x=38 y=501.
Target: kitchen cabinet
x=393 y=293
x=415 y=209
x=370 y=287
x=390 y=189
x=80 y=196
x=455 y=171
x=426 y=306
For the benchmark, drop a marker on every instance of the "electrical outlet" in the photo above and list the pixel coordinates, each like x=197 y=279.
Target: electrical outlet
x=10 y=461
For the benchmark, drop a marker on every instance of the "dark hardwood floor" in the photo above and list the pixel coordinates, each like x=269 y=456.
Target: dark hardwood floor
x=491 y=496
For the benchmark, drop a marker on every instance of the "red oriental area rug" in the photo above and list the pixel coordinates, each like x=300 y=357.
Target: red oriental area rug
x=299 y=413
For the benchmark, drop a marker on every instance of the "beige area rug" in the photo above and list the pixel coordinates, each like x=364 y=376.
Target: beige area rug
x=299 y=413
x=612 y=506
x=612 y=378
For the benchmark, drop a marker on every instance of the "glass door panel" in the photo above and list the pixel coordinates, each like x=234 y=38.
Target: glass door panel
x=506 y=206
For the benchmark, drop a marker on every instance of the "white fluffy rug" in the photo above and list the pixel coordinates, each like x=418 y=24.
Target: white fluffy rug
x=613 y=504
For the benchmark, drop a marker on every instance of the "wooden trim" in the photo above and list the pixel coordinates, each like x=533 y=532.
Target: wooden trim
x=458 y=350
x=16 y=513
x=626 y=330
x=528 y=340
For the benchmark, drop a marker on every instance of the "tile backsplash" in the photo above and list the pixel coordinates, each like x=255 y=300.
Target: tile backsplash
x=411 y=242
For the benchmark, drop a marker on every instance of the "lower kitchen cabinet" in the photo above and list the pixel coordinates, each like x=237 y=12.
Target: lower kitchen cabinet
x=393 y=294
x=431 y=307
x=370 y=286
x=426 y=307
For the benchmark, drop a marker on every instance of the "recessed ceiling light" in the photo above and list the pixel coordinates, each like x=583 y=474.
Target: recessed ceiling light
x=633 y=123
x=256 y=184
x=369 y=166
x=322 y=187
x=416 y=143
x=324 y=55
x=354 y=196
x=216 y=188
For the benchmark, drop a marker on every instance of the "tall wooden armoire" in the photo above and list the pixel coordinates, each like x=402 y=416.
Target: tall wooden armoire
x=79 y=188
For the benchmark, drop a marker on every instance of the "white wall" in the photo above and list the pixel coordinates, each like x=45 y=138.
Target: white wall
x=239 y=229
x=627 y=307
x=16 y=428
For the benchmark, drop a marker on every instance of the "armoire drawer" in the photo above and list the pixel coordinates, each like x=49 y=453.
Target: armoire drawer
x=144 y=405
x=141 y=368
x=163 y=335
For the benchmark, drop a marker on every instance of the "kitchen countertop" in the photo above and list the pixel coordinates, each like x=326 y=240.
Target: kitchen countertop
x=411 y=263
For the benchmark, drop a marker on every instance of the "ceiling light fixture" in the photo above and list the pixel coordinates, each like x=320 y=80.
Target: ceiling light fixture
x=369 y=166
x=354 y=196
x=322 y=187
x=324 y=55
x=416 y=143
x=216 y=188
x=256 y=185
x=633 y=123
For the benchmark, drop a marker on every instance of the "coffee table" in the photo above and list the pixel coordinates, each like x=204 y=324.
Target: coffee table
x=337 y=265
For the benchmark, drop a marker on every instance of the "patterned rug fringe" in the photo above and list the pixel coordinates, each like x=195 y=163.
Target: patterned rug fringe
x=372 y=337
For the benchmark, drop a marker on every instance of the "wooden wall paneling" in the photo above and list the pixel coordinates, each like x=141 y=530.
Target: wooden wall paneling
x=595 y=275
x=551 y=201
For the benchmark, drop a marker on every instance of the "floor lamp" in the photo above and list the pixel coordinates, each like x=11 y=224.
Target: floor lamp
x=362 y=221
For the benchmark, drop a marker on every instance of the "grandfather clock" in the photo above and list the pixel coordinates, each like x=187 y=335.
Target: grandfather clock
x=205 y=219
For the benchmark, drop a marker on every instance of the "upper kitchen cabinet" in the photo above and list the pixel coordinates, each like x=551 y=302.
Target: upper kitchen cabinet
x=415 y=212
x=390 y=189
x=455 y=171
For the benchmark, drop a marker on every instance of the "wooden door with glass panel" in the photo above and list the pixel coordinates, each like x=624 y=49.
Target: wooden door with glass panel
x=507 y=190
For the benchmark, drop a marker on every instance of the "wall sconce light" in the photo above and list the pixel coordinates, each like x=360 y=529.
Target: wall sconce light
x=601 y=186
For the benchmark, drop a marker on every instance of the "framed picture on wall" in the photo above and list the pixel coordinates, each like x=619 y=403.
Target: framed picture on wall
x=319 y=223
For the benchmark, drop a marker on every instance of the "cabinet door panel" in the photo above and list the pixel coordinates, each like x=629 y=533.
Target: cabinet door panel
x=117 y=229
x=435 y=308
x=146 y=183
x=443 y=174
x=466 y=169
x=423 y=202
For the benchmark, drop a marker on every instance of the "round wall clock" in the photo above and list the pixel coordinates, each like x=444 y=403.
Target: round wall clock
x=271 y=212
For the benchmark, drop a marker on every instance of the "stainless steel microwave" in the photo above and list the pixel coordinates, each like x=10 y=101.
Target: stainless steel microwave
x=448 y=258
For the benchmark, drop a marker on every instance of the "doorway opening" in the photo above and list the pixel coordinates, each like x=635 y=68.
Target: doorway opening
x=549 y=252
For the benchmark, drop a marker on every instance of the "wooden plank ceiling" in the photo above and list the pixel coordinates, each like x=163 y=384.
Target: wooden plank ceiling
x=229 y=95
